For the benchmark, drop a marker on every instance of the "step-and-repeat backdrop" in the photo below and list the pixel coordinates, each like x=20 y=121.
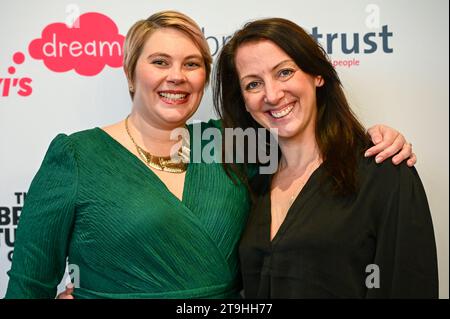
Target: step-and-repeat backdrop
x=392 y=56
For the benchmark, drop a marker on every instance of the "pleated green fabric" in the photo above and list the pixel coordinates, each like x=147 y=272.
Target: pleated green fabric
x=97 y=204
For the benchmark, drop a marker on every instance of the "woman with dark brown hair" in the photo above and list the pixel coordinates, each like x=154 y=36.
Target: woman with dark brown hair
x=329 y=223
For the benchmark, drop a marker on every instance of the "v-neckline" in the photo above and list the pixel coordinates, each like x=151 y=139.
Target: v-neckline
x=149 y=172
x=300 y=198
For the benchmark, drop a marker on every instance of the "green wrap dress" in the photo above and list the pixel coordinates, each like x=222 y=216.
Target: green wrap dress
x=97 y=206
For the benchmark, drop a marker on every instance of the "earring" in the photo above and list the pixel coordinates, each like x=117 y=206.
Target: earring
x=131 y=88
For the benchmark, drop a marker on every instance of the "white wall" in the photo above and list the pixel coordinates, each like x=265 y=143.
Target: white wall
x=406 y=89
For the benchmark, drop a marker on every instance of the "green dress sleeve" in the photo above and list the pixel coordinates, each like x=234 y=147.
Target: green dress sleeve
x=45 y=224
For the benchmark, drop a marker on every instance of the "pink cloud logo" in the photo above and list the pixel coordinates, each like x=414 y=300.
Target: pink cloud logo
x=85 y=49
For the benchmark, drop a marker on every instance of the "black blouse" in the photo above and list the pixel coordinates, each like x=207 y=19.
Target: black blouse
x=378 y=243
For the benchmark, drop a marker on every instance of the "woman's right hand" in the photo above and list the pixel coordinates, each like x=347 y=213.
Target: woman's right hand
x=66 y=294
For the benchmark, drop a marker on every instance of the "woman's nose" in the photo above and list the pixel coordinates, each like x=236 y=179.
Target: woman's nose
x=176 y=75
x=273 y=93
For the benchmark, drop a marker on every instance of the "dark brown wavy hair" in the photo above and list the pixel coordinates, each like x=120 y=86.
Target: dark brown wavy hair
x=340 y=136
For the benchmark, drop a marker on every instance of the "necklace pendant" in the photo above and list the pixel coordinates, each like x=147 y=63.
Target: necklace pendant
x=161 y=163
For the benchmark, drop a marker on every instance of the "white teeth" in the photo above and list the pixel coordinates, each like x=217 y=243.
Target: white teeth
x=282 y=113
x=173 y=96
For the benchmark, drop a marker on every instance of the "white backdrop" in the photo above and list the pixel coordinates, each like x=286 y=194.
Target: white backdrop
x=403 y=83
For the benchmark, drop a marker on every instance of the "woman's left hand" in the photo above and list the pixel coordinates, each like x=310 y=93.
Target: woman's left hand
x=389 y=142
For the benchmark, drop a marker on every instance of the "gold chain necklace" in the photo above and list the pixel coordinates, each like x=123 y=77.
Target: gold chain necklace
x=162 y=163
